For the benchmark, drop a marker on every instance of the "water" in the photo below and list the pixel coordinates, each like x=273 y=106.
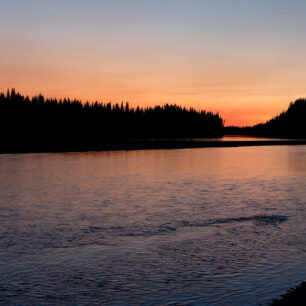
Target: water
x=212 y=226
x=239 y=138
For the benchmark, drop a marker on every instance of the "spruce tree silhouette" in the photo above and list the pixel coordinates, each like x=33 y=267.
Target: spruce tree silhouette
x=289 y=124
x=44 y=121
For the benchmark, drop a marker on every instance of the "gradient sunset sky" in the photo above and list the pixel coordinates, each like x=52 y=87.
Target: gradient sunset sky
x=245 y=59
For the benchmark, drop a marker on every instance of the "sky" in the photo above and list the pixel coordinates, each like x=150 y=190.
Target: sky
x=244 y=59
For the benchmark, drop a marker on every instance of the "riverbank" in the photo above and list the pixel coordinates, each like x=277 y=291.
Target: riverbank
x=115 y=145
x=295 y=296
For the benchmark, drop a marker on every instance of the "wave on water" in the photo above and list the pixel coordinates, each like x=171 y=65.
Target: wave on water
x=257 y=219
x=144 y=230
x=261 y=219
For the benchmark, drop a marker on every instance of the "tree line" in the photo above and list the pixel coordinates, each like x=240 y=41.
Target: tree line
x=288 y=124
x=40 y=120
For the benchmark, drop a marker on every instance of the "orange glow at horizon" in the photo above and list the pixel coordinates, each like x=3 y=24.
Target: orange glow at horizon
x=233 y=116
x=241 y=101
x=242 y=95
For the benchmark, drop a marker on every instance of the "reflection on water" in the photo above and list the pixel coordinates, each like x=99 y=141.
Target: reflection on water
x=238 y=138
x=201 y=226
x=296 y=162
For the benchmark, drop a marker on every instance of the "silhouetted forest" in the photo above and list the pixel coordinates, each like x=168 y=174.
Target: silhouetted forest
x=42 y=125
x=289 y=124
x=39 y=120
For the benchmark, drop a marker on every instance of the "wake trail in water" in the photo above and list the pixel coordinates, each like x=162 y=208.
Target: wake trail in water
x=145 y=230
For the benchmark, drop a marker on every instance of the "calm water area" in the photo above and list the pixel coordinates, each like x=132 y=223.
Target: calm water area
x=210 y=226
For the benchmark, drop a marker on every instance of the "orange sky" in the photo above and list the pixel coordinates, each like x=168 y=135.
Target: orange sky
x=243 y=60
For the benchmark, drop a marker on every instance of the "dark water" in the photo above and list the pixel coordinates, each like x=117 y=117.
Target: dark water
x=217 y=226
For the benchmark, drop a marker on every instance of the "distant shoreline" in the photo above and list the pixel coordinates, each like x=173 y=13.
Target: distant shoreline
x=123 y=145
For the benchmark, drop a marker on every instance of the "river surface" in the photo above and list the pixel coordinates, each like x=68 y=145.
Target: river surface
x=211 y=226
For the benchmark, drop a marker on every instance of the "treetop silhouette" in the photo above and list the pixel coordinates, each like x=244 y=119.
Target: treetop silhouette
x=41 y=120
